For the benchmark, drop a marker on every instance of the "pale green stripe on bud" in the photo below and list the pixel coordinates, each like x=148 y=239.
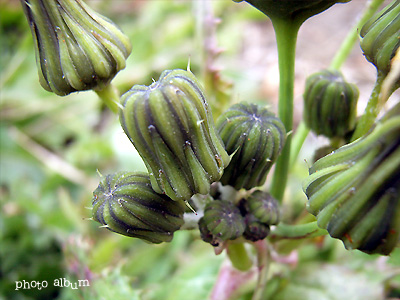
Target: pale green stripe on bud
x=254 y=137
x=355 y=191
x=76 y=48
x=124 y=202
x=170 y=125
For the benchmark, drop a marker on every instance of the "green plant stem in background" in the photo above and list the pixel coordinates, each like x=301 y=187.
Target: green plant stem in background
x=351 y=38
x=371 y=111
x=298 y=141
x=340 y=57
x=110 y=96
x=299 y=231
x=239 y=257
x=263 y=262
x=286 y=38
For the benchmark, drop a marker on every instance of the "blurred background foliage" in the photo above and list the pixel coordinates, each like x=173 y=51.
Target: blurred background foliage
x=53 y=149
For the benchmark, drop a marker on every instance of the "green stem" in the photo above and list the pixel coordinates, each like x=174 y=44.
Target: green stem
x=298 y=141
x=371 y=111
x=341 y=55
x=286 y=38
x=239 y=257
x=298 y=231
x=351 y=38
x=110 y=96
x=263 y=262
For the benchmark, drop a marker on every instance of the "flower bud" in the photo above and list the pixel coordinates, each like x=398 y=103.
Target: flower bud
x=354 y=191
x=76 y=48
x=380 y=37
x=172 y=128
x=299 y=10
x=254 y=137
x=264 y=207
x=223 y=220
x=206 y=234
x=255 y=230
x=330 y=104
x=125 y=203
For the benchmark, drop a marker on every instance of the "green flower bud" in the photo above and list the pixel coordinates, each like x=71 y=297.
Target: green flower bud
x=206 y=234
x=299 y=10
x=172 y=128
x=223 y=220
x=76 y=48
x=125 y=203
x=255 y=138
x=380 y=37
x=264 y=207
x=255 y=230
x=330 y=104
x=354 y=191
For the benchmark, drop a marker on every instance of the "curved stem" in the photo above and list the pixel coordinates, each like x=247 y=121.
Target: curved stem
x=351 y=38
x=298 y=231
x=238 y=256
x=371 y=111
x=286 y=38
x=110 y=96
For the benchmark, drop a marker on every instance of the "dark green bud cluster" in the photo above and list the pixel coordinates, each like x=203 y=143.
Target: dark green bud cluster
x=251 y=218
x=222 y=221
x=76 y=48
x=264 y=207
x=125 y=203
x=299 y=10
x=330 y=104
x=261 y=211
x=255 y=230
x=254 y=137
x=355 y=191
x=380 y=37
x=171 y=126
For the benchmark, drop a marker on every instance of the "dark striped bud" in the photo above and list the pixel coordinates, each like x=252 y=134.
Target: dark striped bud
x=125 y=203
x=355 y=191
x=76 y=48
x=255 y=138
x=264 y=207
x=223 y=220
x=171 y=126
x=380 y=37
x=330 y=104
x=299 y=10
x=255 y=230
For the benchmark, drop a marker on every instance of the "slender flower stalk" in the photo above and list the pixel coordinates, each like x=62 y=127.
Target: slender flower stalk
x=286 y=38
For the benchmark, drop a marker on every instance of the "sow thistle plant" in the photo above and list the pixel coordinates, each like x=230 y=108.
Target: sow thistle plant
x=218 y=168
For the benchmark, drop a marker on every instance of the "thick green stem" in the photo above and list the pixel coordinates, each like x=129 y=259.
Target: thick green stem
x=239 y=257
x=110 y=96
x=298 y=231
x=351 y=38
x=286 y=38
x=371 y=111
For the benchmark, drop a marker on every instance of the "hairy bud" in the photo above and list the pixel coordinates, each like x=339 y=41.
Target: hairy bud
x=254 y=137
x=330 y=104
x=76 y=48
x=171 y=126
x=125 y=203
x=380 y=37
x=354 y=191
